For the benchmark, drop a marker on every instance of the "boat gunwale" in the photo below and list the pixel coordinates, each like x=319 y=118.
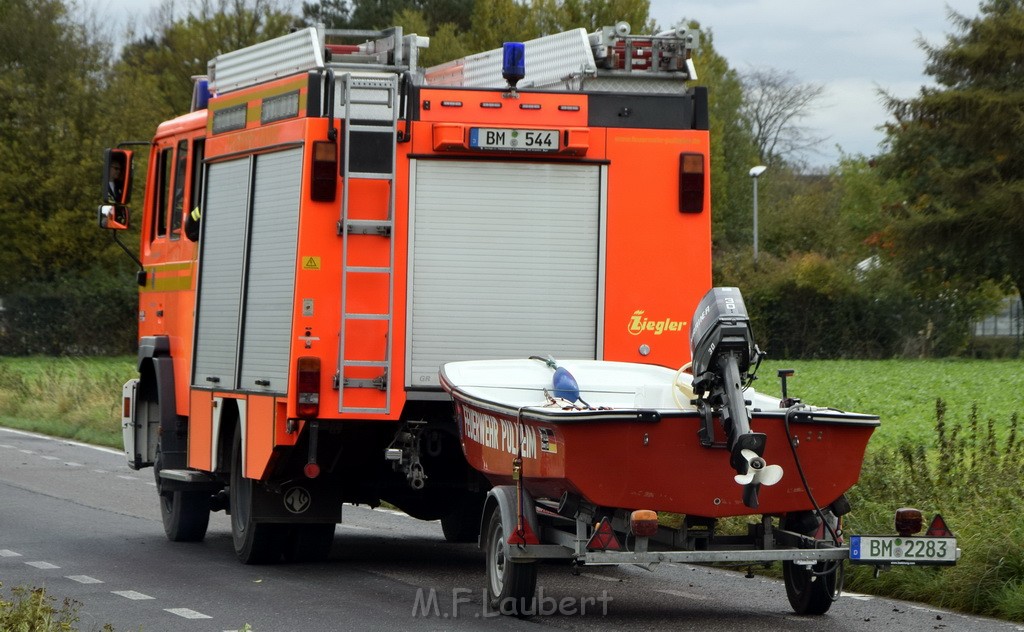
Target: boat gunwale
x=818 y=416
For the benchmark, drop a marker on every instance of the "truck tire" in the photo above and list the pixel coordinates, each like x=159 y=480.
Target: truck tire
x=185 y=514
x=255 y=542
x=510 y=585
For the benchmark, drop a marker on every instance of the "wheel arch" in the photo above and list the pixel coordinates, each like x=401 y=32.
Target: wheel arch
x=156 y=383
x=503 y=499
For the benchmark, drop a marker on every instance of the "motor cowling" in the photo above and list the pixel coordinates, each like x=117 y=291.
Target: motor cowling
x=720 y=326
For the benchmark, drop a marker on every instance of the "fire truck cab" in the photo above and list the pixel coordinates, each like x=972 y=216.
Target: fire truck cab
x=362 y=221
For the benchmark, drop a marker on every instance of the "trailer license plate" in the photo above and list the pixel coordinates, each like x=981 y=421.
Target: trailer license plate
x=895 y=549
x=510 y=139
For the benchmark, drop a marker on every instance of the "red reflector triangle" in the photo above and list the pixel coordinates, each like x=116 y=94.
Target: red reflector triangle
x=938 y=528
x=604 y=538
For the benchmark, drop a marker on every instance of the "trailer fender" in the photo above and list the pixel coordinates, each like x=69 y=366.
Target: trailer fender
x=503 y=499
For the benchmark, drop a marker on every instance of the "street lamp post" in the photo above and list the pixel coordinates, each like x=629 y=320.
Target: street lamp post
x=755 y=173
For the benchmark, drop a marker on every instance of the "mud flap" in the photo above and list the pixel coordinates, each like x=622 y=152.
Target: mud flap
x=299 y=501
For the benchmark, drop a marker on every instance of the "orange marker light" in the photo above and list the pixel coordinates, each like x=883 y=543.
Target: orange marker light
x=643 y=523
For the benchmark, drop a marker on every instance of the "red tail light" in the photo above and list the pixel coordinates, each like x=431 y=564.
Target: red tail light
x=308 y=383
x=691 y=183
x=325 y=171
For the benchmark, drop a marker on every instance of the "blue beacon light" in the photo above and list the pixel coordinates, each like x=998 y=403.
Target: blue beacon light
x=513 y=63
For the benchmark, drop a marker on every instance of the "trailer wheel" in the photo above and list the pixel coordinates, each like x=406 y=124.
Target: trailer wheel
x=510 y=585
x=186 y=515
x=255 y=542
x=812 y=589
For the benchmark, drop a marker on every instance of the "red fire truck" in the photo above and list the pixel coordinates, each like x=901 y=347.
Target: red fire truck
x=362 y=221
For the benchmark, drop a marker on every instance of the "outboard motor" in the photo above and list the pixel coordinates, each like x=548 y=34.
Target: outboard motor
x=722 y=347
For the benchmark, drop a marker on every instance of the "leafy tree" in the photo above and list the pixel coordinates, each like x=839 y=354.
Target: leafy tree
x=445 y=42
x=51 y=128
x=181 y=47
x=378 y=14
x=497 y=21
x=956 y=147
x=334 y=14
x=553 y=16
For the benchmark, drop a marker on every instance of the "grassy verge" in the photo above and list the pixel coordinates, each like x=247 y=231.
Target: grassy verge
x=951 y=442
x=33 y=610
x=75 y=398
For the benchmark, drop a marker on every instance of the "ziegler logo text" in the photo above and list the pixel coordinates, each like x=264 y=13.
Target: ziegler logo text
x=638 y=323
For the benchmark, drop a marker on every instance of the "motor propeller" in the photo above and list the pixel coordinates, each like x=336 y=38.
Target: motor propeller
x=758 y=471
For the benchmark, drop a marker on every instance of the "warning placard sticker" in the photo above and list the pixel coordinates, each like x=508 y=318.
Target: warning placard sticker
x=311 y=263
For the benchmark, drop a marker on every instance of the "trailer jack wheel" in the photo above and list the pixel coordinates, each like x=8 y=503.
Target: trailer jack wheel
x=510 y=585
x=255 y=542
x=812 y=589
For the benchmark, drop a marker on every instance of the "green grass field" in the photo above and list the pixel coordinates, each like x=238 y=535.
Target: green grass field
x=963 y=457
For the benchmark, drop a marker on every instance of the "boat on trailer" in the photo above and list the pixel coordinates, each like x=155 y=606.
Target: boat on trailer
x=586 y=456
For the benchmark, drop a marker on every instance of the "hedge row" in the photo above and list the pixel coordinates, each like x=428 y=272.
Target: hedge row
x=92 y=315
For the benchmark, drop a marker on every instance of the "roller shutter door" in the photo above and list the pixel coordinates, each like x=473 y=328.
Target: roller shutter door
x=247 y=273
x=504 y=262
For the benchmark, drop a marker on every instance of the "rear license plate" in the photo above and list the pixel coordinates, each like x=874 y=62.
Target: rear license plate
x=903 y=550
x=510 y=139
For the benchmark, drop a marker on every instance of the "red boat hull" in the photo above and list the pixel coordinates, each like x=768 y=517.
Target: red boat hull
x=654 y=460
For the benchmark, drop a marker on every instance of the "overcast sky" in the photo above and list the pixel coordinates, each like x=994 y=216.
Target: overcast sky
x=851 y=47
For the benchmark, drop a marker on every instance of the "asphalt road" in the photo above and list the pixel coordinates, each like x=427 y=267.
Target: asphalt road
x=76 y=520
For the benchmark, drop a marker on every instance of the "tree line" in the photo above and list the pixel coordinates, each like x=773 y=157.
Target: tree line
x=876 y=256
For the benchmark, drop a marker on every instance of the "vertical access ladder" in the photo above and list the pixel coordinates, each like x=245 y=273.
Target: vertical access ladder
x=369 y=139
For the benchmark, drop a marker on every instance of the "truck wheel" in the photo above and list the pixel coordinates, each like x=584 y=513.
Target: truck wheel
x=255 y=542
x=811 y=589
x=308 y=542
x=186 y=515
x=510 y=585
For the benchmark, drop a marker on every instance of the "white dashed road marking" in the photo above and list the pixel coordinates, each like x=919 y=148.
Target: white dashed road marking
x=131 y=594
x=84 y=579
x=188 y=613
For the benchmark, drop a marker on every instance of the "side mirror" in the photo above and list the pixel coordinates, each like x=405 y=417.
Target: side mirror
x=113 y=216
x=117 y=177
